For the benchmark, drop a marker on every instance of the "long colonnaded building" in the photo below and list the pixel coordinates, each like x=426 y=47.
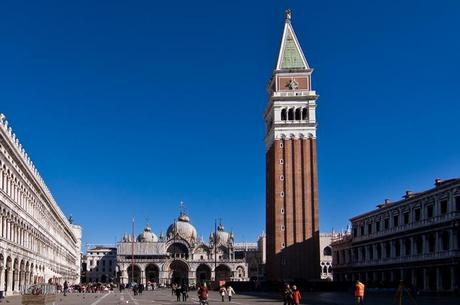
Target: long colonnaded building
x=292 y=215
x=416 y=240
x=37 y=242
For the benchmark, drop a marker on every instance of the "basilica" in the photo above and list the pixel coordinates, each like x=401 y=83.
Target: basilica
x=181 y=257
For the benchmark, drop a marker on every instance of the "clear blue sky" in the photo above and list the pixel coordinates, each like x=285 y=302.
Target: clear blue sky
x=129 y=107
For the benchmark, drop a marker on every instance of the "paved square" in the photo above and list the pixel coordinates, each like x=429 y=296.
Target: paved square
x=163 y=296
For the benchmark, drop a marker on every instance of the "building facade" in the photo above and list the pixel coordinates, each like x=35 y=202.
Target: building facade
x=180 y=256
x=254 y=255
x=37 y=242
x=292 y=216
x=325 y=253
x=99 y=265
x=415 y=240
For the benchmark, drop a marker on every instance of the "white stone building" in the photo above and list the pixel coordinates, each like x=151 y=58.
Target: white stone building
x=415 y=240
x=37 y=242
x=179 y=257
x=99 y=265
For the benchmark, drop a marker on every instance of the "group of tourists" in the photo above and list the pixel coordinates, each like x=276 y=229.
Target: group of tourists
x=181 y=292
x=138 y=289
x=291 y=295
x=226 y=291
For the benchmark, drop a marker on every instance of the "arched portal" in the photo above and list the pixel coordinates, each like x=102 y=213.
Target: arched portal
x=203 y=274
x=223 y=273
x=134 y=274
x=152 y=273
x=178 y=250
x=178 y=271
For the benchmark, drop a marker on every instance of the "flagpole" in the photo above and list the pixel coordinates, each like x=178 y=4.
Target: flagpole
x=132 y=252
x=215 y=250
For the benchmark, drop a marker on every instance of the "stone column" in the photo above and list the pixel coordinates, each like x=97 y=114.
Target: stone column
x=142 y=280
x=27 y=279
x=124 y=276
x=424 y=244
x=437 y=247
x=438 y=279
x=9 y=280
x=413 y=278
x=2 y=279
x=426 y=283
x=21 y=280
x=16 y=280
x=455 y=245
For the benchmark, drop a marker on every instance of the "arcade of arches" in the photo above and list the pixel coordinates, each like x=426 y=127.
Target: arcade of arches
x=178 y=271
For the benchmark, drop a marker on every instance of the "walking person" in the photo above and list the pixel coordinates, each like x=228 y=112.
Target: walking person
x=359 y=293
x=184 y=292
x=222 y=292
x=287 y=295
x=203 y=294
x=296 y=297
x=230 y=292
x=66 y=287
x=178 y=293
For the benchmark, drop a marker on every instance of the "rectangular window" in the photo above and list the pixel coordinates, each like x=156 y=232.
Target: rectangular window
x=429 y=211
x=396 y=221
x=362 y=230
x=457 y=203
x=406 y=218
x=355 y=232
x=443 y=206
x=386 y=223
x=377 y=226
x=417 y=214
x=369 y=228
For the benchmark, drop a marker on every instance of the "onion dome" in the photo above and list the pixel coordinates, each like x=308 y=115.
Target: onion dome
x=223 y=237
x=183 y=228
x=147 y=236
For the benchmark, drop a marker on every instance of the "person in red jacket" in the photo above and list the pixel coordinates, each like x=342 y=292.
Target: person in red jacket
x=203 y=294
x=296 y=297
x=359 y=293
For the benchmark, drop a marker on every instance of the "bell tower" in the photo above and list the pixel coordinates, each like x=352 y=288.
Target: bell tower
x=292 y=216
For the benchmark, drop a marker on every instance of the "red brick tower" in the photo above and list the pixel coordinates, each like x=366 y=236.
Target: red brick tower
x=292 y=216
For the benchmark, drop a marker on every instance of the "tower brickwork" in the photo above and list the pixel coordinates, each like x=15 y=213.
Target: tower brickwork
x=292 y=215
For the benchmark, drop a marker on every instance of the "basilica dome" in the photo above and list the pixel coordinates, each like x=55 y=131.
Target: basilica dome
x=223 y=237
x=183 y=228
x=147 y=236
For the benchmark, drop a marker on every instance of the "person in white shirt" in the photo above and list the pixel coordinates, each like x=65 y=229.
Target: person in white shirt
x=230 y=292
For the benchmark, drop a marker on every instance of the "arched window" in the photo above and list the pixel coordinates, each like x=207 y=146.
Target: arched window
x=327 y=251
x=297 y=114
x=291 y=114
x=283 y=114
x=304 y=114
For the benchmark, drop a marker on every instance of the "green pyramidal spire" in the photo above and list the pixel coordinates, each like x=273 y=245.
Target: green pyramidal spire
x=291 y=55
